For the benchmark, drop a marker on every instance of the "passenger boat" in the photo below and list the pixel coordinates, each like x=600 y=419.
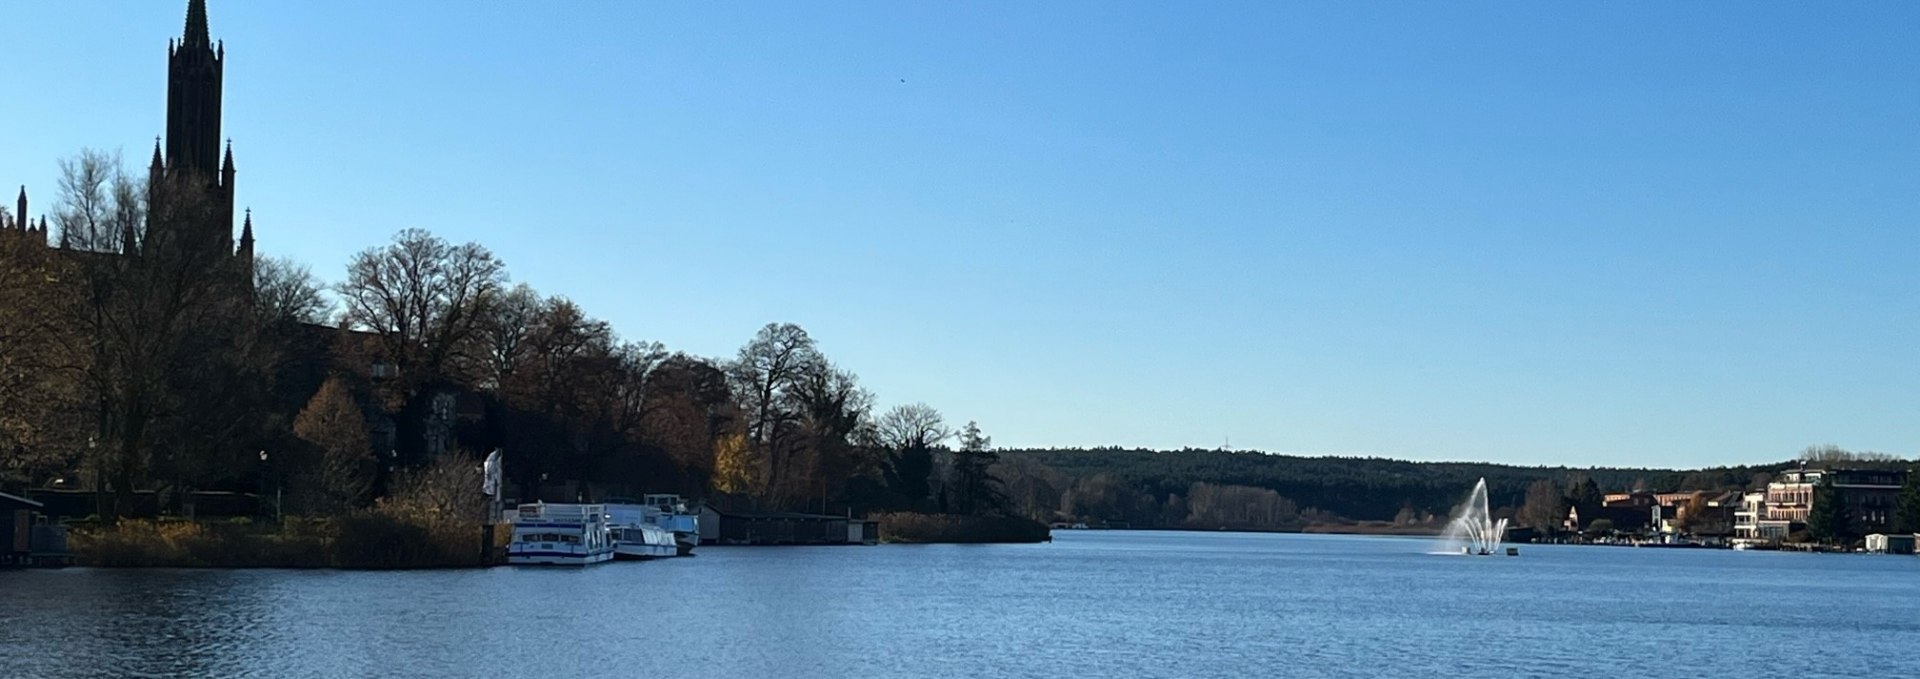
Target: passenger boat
x=677 y=519
x=670 y=512
x=637 y=533
x=679 y=529
x=560 y=535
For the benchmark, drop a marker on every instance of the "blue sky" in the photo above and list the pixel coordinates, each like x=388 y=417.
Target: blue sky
x=1619 y=234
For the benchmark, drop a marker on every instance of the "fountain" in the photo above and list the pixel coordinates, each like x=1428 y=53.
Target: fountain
x=1473 y=529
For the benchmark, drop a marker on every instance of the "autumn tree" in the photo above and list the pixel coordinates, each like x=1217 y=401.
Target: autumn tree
x=689 y=407
x=1545 y=506
x=342 y=472
x=735 y=471
x=36 y=439
x=1698 y=514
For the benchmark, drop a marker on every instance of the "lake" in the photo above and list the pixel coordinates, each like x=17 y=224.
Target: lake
x=1092 y=603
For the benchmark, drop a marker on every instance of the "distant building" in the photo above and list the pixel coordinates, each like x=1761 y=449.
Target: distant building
x=1868 y=495
x=1750 y=520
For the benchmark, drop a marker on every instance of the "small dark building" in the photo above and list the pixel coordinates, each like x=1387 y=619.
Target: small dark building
x=783 y=528
x=27 y=540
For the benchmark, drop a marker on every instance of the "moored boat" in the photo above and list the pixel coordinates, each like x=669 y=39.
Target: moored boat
x=643 y=542
x=638 y=533
x=675 y=516
x=560 y=535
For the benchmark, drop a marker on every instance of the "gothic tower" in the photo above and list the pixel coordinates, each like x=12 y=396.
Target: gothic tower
x=195 y=67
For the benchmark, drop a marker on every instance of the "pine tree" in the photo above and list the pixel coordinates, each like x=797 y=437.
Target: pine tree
x=1906 y=514
x=1585 y=495
x=975 y=489
x=1827 y=519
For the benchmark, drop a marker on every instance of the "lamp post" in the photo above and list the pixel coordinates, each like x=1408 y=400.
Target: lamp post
x=99 y=478
x=264 y=470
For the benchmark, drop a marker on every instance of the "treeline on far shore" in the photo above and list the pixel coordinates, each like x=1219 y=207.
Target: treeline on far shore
x=1249 y=490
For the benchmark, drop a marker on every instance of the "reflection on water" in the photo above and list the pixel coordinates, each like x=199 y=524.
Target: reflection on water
x=1089 y=604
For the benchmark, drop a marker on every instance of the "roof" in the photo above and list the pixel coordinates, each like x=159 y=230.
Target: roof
x=17 y=502
x=791 y=516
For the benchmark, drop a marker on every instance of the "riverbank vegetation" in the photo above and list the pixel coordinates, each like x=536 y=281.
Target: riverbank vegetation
x=149 y=370
x=431 y=521
x=913 y=527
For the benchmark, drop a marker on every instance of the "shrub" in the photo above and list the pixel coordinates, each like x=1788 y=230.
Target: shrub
x=929 y=528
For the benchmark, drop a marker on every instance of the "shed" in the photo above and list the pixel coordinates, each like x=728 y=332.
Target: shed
x=1890 y=543
x=782 y=528
x=23 y=541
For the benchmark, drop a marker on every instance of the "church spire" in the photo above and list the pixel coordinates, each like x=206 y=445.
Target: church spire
x=226 y=175
x=196 y=33
x=194 y=74
x=157 y=165
x=20 y=217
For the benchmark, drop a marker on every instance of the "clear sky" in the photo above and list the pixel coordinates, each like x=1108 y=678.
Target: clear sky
x=1541 y=233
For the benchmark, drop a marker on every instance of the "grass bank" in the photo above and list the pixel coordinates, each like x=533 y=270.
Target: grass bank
x=367 y=539
x=910 y=527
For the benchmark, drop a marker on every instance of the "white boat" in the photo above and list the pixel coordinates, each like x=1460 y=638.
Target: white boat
x=671 y=513
x=637 y=533
x=643 y=542
x=658 y=528
x=560 y=535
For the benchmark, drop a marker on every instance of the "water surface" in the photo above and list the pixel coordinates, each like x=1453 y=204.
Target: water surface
x=1092 y=603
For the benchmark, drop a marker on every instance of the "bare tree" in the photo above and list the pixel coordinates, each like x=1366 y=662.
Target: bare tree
x=913 y=425
x=1545 y=506
x=153 y=327
x=424 y=298
x=287 y=292
x=765 y=376
x=504 y=332
x=910 y=433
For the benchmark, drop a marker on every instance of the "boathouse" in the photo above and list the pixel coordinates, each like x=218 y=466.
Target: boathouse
x=1894 y=543
x=25 y=540
x=726 y=527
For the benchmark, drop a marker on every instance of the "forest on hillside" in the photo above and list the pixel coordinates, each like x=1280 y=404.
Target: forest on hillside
x=1198 y=488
